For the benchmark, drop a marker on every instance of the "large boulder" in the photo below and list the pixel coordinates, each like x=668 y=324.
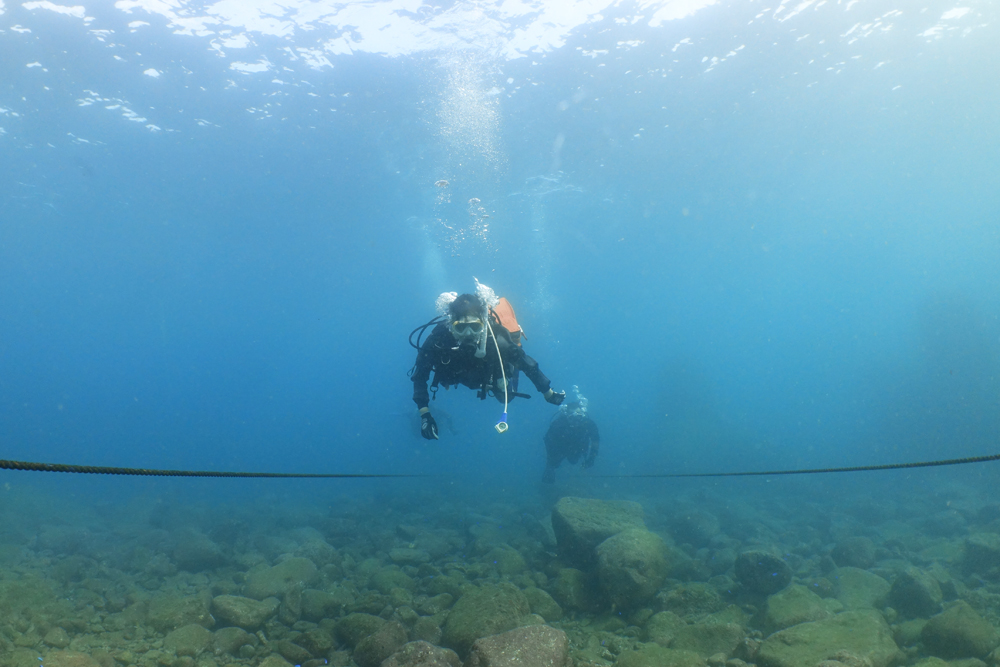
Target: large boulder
x=915 y=594
x=859 y=589
x=982 y=554
x=376 y=647
x=959 y=632
x=856 y=552
x=422 y=654
x=195 y=552
x=796 y=604
x=631 y=567
x=274 y=581
x=532 y=646
x=482 y=612
x=575 y=590
x=662 y=627
x=244 y=612
x=543 y=604
x=352 y=628
x=762 y=573
x=862 y=633
x=580 y=524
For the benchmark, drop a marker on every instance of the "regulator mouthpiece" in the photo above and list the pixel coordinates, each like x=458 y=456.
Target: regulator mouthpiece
x=501 y=425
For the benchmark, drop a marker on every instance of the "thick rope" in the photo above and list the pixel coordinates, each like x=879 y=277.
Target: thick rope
x=813 y=471
x=145 y=472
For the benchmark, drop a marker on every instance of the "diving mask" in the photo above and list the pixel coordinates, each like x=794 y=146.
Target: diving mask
x=467 y=327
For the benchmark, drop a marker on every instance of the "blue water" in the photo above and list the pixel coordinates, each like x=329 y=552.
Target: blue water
x=785 y=258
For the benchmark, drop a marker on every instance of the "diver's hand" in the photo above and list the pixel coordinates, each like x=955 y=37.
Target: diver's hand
x=555 y=397
x=428 y=427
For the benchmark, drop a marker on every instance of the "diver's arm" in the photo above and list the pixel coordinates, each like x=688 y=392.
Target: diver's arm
x=537 y=377
x=421 y=375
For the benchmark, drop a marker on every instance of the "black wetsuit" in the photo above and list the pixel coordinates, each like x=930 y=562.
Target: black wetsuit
x=453 y=365
x=569 y=437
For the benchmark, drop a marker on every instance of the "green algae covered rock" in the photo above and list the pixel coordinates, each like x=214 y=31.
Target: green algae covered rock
x=859 y=589
x=543 y=604
x=580 y=524
x=169 y=612
x=506 y=560
x=188 y=640
x=244 y=612
x=392 y=577
x=692 y=601
x=709 y=638
x=376 y=647
x=982 y=554
x=230 y=640
x=959 y=632
x=915 y=594
x=631 y=567
x=762 y=573
x=863 y=633
x=573 y=589
x=481 y=612
x=274 y=581
x=796 y=604
x=654 y=655
x=662 y=627
x=352 y=628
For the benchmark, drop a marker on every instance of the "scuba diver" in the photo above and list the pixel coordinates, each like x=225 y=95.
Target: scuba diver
x=470 y=345
x=571 y=435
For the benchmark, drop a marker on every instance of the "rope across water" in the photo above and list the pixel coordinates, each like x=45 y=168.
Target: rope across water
x=814 y=471
x=146 y=472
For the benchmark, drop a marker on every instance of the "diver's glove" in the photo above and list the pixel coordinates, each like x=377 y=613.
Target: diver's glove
x=428 y=427
x=555 y=397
